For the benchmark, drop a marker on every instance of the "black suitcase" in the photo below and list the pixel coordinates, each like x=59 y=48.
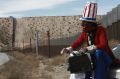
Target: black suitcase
x=79 y=63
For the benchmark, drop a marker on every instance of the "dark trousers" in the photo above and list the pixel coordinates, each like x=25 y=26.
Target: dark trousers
x=101 y=63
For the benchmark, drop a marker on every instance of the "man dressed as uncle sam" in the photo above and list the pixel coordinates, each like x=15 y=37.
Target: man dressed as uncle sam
x=96 y=38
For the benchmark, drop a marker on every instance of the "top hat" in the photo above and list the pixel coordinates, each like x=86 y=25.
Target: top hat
x=90 y=12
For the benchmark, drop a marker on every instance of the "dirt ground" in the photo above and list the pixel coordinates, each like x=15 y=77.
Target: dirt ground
x=28 y=66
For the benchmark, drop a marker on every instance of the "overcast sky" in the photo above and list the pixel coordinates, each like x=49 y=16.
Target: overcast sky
x=28 y=8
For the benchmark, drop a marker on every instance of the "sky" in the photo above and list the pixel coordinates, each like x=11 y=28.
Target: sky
x=29 y=8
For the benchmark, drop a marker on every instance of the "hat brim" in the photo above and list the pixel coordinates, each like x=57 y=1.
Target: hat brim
x=88 y=19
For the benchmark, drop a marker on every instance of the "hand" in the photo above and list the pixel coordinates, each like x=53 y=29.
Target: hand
x=83 y=50
x=92 y=47
x=66 y=50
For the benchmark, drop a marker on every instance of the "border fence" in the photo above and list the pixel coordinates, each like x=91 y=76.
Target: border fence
x=112 y=22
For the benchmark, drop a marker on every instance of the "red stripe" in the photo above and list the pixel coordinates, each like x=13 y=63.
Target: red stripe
x=89 y=10
x=85 y=11
x=93 y=16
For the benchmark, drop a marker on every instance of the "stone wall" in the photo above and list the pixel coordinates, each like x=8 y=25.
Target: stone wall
x=58 y=26
x=22 y=31
x=6 y=31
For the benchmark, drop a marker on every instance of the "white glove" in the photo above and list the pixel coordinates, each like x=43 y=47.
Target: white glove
x=66 y=50
x=92 y=47
x=83 y=50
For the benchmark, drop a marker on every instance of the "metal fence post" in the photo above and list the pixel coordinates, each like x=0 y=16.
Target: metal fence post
x=30 y=45
x=23 y=46
x=48 y=35
x=37 y=43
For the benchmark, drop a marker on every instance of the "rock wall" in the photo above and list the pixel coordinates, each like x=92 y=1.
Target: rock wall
x=22 y=31
x=58 y=26
x=6 y=31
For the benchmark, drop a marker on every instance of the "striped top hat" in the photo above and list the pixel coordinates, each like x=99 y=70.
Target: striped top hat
x=90 y=12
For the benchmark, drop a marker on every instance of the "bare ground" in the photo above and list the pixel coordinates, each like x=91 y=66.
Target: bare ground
x=28 y=66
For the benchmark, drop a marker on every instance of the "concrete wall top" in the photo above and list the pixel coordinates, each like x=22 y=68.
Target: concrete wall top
x=114 y=14
x=109 y=18
x=119 y=12
x=104 y=20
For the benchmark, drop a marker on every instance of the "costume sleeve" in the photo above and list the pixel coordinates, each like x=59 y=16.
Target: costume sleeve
x=79 y=41
x=102 y=38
